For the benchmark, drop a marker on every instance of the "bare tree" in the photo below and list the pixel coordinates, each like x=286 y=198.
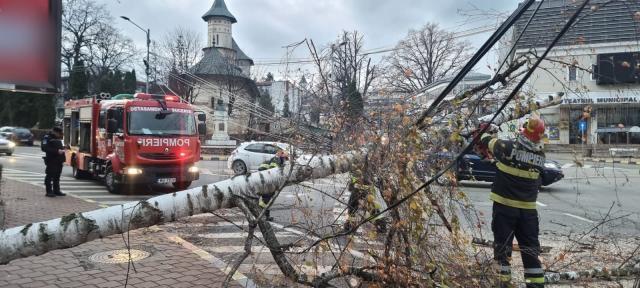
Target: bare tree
x=181 y=49
x=110 y=51
x=81 y=22
x=423 y=57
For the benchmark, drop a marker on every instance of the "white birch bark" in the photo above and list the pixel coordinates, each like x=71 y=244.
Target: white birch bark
x=77 y=228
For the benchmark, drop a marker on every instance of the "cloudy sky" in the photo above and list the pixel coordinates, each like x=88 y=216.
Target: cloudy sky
x=265 y=26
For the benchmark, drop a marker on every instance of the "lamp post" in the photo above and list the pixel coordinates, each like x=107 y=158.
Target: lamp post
x=146 y=62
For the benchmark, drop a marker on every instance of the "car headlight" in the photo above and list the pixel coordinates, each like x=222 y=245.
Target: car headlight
x=11 y=144
x=550 y=165
x=193 y=169
x=133 y=171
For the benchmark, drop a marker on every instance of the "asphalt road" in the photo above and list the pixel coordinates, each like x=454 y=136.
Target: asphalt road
x=587 y=195
x=576 y=204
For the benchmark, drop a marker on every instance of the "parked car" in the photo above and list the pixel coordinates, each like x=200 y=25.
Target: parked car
x=249 y=155
x=472 y=167
x=18 y=135
x=6 y=146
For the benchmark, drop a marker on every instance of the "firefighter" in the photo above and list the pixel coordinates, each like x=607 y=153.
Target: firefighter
x=53 y=160
x=276 y=161
x=361 y=190
x=520 y=163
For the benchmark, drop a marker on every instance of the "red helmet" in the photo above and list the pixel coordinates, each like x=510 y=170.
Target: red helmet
x=533 y=129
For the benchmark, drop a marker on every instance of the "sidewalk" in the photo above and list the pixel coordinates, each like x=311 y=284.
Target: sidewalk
x=161 y=259
x=25 y=203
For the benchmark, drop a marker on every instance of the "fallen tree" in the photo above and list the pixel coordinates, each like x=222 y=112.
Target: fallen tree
x=77 y=228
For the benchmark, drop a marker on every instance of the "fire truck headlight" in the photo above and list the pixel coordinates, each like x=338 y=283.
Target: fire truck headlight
x=194 y=169
x=133 y=171
x=11 y=144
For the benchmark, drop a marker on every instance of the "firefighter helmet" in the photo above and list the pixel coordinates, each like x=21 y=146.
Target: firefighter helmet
x=533 y=129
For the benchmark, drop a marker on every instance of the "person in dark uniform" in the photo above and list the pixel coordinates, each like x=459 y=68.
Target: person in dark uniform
x=514 y=192
x=54 y=159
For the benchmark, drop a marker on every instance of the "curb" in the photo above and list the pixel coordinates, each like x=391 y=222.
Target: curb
x=629 y=162
x=214 y=158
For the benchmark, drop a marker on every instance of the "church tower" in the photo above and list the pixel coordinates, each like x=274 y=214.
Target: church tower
x=220 y=22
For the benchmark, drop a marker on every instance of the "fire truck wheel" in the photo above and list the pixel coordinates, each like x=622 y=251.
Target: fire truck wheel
x=110 y=182
x=181 y=185
x=79 y=174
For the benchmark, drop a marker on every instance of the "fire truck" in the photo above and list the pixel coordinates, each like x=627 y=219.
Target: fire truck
x=141 y=139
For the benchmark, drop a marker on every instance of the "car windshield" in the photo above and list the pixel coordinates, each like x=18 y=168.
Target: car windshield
x=179 y=122
x=21 y=131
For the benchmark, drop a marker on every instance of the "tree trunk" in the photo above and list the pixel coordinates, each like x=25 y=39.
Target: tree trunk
x=77 y=228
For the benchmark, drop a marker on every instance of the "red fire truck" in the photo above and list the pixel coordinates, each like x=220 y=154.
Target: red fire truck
x=142 y=139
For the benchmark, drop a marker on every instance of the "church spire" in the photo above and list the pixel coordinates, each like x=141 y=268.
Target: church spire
x=219 y=9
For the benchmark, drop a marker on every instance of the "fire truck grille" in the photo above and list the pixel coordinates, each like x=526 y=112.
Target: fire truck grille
x=159 y=156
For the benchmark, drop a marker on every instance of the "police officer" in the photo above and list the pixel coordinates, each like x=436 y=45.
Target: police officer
x=54 y=149
x=514 y=192
x=277 y=161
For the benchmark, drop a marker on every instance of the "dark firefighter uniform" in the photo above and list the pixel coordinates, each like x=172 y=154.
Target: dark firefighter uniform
x=53 y=162
x=514 y=194
x=359 y=192
x=275 y=162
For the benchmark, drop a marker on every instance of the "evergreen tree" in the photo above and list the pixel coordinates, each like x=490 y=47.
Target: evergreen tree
x=78 y=81
x=46 y=111
x=285 y=110
x=265 y=101
x=117 y=83
x=269 y=77
x=129 y=82
x=355 y=104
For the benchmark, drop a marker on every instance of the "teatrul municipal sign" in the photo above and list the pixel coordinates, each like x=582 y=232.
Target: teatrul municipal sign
x=601 y=98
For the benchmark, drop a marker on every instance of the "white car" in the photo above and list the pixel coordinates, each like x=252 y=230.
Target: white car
x=6 y=146
x=249 y=155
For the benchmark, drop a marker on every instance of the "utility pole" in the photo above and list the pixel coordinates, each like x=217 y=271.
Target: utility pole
x=147 y=69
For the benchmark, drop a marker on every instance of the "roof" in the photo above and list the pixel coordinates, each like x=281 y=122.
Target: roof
x=214 y=63
x=219 y=9
x=239 y=53
x=606 y=21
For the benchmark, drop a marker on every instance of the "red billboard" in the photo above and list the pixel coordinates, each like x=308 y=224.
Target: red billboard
x=30 y=45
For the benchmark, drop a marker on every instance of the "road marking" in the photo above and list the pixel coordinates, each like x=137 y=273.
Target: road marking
x=579 y=218
x=219 y=264
x=541 y=204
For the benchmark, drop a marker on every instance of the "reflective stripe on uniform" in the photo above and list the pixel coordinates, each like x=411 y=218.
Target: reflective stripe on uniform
x=505 y=277
x=512 y=203
x=537 y=280
x=533 y=271
x=517 y=172
x=491 y=144
x=505 y=269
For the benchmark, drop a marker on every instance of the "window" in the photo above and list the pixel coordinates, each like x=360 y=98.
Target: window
x=257 y=148
x=218 y=39
x=102 y=119
x=270 y=149
x=572 y=73
x=594 y=72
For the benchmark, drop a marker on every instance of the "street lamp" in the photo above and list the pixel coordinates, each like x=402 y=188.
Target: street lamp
x=146 y=62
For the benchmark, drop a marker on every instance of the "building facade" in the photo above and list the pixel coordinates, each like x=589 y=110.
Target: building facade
x=596 y=66
x=226 y=91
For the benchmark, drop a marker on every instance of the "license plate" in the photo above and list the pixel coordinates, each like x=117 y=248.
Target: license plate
x=166 y=180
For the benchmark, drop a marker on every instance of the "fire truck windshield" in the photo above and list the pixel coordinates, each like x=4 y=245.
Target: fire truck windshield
x=149 y=123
